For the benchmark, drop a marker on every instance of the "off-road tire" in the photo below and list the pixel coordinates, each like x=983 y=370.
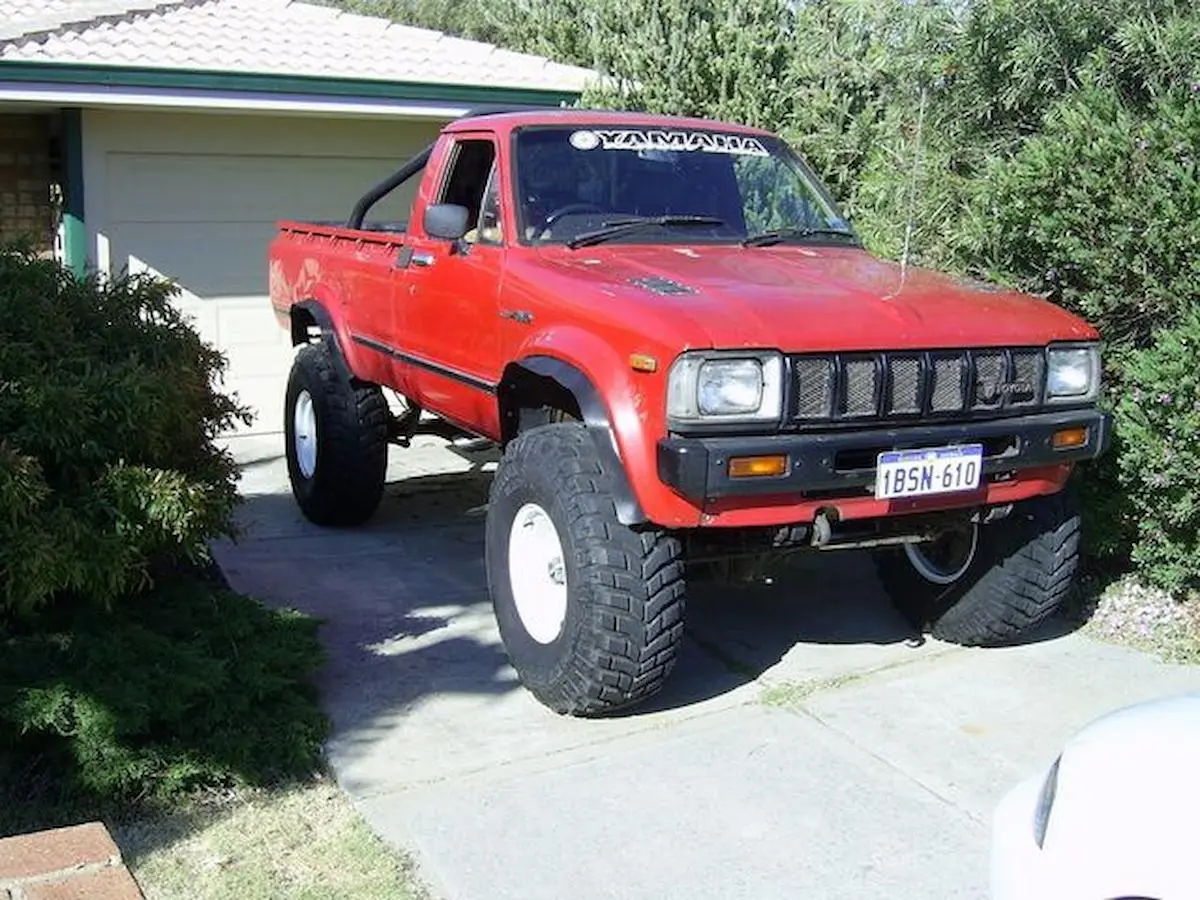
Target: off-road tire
x=352 y=446
x=625 y=588
x=1021 y=574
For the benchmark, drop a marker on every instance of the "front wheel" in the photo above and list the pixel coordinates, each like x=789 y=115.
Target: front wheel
x=985 y=585
x=590 y=610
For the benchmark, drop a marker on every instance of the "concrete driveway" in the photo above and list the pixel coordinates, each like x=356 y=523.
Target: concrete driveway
x=807 y=745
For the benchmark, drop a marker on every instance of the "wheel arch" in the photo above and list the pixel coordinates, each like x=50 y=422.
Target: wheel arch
x=309 y=315
x=547 y=381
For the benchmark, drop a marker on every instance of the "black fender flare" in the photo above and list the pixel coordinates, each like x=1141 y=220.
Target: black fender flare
x=594 y=412
x=329 y=337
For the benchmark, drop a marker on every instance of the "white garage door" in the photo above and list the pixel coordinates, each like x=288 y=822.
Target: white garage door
x=203 y=211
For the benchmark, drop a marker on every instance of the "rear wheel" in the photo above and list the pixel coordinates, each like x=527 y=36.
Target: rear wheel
x=590 y=610
x=983 y=585
x=336 y=435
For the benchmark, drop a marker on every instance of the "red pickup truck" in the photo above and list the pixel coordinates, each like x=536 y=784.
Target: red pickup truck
x=690 y=362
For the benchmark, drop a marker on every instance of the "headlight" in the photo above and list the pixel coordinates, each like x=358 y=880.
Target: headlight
x=1072 y=373
x=725 y=387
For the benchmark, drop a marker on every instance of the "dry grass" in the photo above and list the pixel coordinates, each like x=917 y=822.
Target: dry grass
x=1130 y=613
x=300 y=844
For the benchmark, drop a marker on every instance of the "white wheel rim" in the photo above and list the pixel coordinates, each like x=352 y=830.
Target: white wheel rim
x=537 y=573
x=936 y=572
x=304 y=422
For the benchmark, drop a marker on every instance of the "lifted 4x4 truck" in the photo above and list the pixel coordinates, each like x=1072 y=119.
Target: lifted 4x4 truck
x=687 y=357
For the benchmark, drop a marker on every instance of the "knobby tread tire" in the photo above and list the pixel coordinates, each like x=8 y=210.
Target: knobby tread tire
x=1022 y=573
x=352 y=441
x=625 y=614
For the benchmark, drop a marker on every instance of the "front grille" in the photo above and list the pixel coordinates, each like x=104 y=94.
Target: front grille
x=949 y=384
x=885 y=387
x=813 y=380
x=862 y=383
x=904 y=380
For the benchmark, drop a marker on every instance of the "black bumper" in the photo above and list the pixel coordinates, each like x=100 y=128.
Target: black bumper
x=832 y=462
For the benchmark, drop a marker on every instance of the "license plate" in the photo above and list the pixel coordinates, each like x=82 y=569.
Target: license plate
x=936 y=470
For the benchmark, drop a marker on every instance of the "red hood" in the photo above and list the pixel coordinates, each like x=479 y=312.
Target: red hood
x=800 y=298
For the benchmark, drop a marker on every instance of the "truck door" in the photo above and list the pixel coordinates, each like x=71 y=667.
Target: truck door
x=449 y=298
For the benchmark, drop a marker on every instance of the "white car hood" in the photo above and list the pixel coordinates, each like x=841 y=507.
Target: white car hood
x=1123 y=820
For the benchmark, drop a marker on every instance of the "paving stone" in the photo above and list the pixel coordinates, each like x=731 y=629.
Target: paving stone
x=107 y=884
x=57 y=850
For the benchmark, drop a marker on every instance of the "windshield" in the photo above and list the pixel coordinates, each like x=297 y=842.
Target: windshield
x=697 y=185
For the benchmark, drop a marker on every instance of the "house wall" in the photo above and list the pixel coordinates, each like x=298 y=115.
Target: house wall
x=25 y=175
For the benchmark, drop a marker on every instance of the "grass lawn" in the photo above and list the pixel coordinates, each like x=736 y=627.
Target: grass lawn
x=294 y=844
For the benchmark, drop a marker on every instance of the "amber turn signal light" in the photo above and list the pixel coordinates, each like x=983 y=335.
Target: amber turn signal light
x=643 y=362
x=1070 y=437
x=757 y=466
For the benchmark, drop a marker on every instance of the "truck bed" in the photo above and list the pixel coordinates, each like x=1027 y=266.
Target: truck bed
x=300 y=225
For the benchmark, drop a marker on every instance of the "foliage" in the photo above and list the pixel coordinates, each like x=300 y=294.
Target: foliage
x=107 y=419
x=1017 y=58
x=187 y=687
x=1108 y=197
x=733 y=64
x=1158 y=417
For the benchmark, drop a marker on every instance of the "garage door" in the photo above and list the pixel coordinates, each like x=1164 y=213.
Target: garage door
x=205 y=219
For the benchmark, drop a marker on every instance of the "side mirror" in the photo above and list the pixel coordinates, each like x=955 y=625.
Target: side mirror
x=447 y=221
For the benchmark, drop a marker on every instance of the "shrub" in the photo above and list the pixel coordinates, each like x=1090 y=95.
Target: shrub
x=107 y=417
x=182 y=688
x=1158 y=463
x=1108 y=197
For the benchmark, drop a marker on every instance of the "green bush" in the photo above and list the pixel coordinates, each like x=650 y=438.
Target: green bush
x=1158 y=466
x=183 y=688
x=1108 y=197
x=107 y=417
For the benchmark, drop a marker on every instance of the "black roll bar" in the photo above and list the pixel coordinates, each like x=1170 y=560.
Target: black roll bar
x=418 y=162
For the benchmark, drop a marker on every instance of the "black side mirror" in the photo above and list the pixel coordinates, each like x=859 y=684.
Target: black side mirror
x=447 y=221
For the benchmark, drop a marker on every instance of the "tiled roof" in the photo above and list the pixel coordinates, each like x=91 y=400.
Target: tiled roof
x=274 y=37
x=25 y=17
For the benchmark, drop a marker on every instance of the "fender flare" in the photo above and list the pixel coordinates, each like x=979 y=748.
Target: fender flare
x=329 y=334
x=595 y=419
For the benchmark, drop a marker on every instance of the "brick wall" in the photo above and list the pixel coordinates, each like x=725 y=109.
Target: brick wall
x=25 y=206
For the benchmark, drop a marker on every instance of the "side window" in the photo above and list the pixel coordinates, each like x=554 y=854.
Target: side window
x=490 y=231
x=470 y=165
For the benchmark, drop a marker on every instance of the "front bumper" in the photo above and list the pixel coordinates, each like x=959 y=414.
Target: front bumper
x=842 y=463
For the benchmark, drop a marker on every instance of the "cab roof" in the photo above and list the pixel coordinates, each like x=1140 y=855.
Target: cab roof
x=506 y=120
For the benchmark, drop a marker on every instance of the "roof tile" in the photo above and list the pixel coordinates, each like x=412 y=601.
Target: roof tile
x=274 y=37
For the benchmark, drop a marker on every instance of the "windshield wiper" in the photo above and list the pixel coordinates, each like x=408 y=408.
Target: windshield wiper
x=778 y=235
x=618 y=227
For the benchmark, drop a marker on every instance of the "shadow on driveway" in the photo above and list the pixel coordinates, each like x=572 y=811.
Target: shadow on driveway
x=407 y=615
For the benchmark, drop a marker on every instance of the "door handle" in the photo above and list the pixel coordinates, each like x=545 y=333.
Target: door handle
x=410 y=257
